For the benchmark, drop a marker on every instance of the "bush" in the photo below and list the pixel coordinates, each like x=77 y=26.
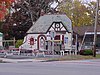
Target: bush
x=86 y=52
x=19 y=43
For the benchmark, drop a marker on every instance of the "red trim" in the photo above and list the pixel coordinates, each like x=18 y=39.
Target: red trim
x=38 y=39
x=57 y=37
x=63 y=39
x=31 y=41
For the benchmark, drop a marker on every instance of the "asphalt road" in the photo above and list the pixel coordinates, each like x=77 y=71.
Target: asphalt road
x=86 y=67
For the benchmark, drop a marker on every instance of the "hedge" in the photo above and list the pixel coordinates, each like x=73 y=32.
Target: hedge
x=86 y=52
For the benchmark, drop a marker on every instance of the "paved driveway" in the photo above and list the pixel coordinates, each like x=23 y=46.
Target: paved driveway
x=86 y=67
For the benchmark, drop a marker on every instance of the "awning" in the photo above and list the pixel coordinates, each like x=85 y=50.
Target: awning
x=91 y=33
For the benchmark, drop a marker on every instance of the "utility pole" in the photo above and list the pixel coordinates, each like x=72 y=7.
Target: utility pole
x=95 y=29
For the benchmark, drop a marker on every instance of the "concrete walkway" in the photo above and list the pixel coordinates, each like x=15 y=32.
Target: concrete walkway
x=19 y=60
x=23 y=58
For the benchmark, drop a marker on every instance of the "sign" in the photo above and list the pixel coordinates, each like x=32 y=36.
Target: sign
x=66 y=40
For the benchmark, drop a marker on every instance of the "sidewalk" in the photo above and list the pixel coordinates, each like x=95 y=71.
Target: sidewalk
x=48 y=58
x=16 y=59
x=19 y=60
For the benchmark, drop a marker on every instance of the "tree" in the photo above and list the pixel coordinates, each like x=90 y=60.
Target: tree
x=91 y=10
x=23 y=14
x=77 y=11
x=4 y=5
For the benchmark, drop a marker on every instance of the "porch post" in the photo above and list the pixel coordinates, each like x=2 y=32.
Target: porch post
x=76 y=49
x=14 y=41
x=53 y=46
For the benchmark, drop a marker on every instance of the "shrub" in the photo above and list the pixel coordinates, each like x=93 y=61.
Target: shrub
x=86 y=52
x=19 y=43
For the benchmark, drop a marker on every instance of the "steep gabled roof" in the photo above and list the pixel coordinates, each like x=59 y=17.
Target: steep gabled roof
x=44 y=22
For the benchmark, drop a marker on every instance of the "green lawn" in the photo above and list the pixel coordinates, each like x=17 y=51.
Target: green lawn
x=98 y=56
x=71 y=57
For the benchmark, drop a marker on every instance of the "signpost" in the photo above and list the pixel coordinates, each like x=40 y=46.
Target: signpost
x=52 y=34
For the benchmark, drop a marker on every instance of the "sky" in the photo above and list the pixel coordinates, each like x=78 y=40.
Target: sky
x=89 y=0
x=55 y=4
x=92 y=0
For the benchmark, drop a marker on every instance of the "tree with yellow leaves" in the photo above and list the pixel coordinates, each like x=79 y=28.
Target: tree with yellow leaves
x=77 y=11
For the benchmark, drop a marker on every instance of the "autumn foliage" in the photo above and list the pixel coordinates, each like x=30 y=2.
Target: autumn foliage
x=4 y=5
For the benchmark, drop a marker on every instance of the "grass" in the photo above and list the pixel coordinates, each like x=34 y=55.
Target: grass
x=98 y=56
x=71 y=57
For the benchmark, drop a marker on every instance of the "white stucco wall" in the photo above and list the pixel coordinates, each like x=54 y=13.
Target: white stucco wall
x=26 y=42
x=67 y=40
x=1 y=38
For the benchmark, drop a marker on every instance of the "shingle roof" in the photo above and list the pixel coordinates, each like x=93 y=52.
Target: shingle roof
x=44 y=22
x=82 y=29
